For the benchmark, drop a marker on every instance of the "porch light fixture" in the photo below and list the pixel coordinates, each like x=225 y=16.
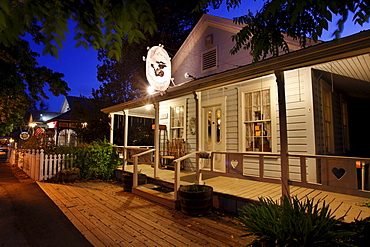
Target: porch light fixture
x=148 y=107
x=84 y=125
x=151 y=90
x=187 y=75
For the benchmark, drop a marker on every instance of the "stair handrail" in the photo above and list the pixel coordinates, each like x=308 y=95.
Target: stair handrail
x=177 y=164
x=136 y=170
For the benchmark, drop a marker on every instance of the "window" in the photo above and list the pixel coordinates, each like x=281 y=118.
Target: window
x=328 y=123
x=67 y=138
x=218 y=125
x=209 y=126
x=209 y=59
x=177 y=122
x=257 y=120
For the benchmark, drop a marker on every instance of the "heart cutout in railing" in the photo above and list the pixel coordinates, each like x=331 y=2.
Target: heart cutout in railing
x=234 y=163
x=339 y=173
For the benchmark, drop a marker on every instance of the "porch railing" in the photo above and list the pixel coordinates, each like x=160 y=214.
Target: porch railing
x=346 y=175
x=127 y=154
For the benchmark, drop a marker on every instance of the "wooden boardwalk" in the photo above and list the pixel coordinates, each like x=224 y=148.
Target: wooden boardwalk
x=107 y=216
x=340 y=204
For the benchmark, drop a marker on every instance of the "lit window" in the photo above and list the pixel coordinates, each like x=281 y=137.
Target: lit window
x=209 y=126
x=328 y=123
x=177 y=122
x=257 y=120
x=218 y=125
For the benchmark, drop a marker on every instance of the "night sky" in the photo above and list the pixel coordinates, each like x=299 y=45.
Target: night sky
x=80 y=65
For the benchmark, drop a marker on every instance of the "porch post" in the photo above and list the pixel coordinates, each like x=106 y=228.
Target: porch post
x=111 y=116
x=125 y=138
x=156 y=139
x=283 y=133
x=198 y=175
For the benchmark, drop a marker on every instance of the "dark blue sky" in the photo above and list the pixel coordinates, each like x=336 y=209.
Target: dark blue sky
x=80 y=65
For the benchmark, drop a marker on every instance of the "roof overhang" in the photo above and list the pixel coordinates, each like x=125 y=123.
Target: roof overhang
x=355 y=45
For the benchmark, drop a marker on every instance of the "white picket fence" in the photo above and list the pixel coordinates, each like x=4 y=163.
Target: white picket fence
x=38 y=165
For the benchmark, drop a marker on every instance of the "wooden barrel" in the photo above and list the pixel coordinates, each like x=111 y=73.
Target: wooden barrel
x=195 y=200
x=128 y=181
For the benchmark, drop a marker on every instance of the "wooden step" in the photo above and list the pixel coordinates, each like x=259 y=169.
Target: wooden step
x=157 y=193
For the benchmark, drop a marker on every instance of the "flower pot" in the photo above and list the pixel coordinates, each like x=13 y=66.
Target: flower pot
x=128 y=180
x=195 y=200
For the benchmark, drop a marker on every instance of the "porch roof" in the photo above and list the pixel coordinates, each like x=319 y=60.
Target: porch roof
x=351 y=46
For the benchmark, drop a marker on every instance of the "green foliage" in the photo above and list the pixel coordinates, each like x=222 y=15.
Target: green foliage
x=22 y=83
x=85 y=110
x=294 y=223
x=100 y=24
x=196 y=188
x=266 y=28
x=360 y=230
x=365 y=204
x=97 y=160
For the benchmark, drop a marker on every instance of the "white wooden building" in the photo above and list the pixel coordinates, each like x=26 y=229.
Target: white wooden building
x=297 y=118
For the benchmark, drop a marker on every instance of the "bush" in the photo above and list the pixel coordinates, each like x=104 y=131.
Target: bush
x=294 y=223
x=360 y=230
x=97 y=160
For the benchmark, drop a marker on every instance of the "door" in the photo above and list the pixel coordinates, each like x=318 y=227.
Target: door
x=214 y=134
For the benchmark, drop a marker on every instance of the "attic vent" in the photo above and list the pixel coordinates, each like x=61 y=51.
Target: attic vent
x=209 y=59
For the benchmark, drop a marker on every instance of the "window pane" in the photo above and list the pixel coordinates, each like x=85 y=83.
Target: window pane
x=177 y=122
x=258 y=121
x=248 y=107
x=209 y=131
x=218 y=125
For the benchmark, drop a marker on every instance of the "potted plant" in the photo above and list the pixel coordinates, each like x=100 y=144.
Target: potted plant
x=195 y=200
x=67 y=175
x=128 y=180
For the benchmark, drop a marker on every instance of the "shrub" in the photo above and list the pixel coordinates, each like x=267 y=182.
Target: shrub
x=360 y=230
x=294 y=223
x=97 y=160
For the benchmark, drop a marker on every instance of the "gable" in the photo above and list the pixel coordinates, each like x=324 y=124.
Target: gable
x=206 y=51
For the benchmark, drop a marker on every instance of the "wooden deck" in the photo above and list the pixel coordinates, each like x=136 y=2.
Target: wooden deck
x=107 y=216
x=340 y=204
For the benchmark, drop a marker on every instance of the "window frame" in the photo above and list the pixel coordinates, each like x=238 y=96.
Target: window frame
x=171 y=106
x=255 y=85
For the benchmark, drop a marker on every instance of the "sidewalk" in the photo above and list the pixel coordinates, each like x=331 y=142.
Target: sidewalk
x=28 y=217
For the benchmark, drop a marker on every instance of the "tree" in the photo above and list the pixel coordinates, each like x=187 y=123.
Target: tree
x=92 y=124
x=100 y=24
x=125 y=80
x=22 y=84
x=266 y=28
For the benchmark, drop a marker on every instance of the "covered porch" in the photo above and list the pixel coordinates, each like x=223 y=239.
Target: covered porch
x=292 y=166
x=231 y=193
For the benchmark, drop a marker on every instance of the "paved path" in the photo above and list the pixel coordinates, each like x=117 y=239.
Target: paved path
x=28 y=217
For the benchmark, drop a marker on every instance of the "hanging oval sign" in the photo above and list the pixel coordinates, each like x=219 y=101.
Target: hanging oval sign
x=24 y=135
x=158 y=68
